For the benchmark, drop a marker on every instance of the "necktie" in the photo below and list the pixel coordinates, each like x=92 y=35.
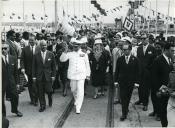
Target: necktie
x=144 y=49
x=43 y=57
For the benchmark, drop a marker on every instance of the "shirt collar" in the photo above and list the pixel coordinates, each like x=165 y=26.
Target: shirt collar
x=166 y=58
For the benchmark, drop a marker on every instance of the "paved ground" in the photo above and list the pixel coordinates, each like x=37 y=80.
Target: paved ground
x=93 y=113
x=34 y=119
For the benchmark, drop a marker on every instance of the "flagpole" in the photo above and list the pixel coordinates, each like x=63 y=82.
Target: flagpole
x=167 y=20
x=156 y=18
x=149 y=16
x=56 y=15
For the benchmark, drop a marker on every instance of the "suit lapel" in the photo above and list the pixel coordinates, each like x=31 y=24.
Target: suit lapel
x=40 y=57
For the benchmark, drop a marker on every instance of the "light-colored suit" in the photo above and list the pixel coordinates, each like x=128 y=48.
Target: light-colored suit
x=78 y=70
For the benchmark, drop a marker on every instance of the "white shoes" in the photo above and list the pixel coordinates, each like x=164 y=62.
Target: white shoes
x=77 y=111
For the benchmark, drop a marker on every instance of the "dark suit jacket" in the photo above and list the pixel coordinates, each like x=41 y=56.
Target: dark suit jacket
x=27 y=59
x=12 y=49
x=10 y=76
x=146 y=60
x=160 y=72
x=127 y=73
x=48 y=69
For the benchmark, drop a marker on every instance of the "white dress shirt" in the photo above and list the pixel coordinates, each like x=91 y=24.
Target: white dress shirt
x=166 y=58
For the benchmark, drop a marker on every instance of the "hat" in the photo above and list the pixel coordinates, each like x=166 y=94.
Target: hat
x=84 y=40
x=126 y=39
x=144 y=36
x=119 y=34
x=98 y=36
x=75 y=42
x=98 y=41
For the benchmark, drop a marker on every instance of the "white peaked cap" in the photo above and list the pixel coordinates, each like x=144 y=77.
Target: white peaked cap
x=75 y=41
x=98 y=36
x=98 y=41
x=66 y=28
x=126 y=39
x=84 y=40
x=120 y=34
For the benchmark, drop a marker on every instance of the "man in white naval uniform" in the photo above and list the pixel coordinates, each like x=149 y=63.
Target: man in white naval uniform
x=78 y=71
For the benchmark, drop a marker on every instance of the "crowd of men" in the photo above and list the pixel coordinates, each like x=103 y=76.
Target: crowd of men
x=48 y=61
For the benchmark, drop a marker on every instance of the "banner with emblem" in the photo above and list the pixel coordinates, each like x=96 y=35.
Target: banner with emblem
x=127 y=24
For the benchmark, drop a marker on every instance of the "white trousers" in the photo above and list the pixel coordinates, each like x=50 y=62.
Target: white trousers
x=77 y=88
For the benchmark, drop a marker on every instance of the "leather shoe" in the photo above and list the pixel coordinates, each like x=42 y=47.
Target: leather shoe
x=152 y=114
x=42 y=109
x=122 y=118
x=145 y=108
x=138 y=102
x=77 y=111
x=18 y=113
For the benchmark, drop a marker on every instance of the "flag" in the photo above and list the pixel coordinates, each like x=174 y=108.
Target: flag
x=84 y=16
x=118 y=8
x=63 y=12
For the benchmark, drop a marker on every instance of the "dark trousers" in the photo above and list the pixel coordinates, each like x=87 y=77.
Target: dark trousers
x=63 y=78
x=125 y=95
x=14 y=98
x=162 y=105
x=42 y=90
x=32 y=90
x=144 y=88
x=154 y=101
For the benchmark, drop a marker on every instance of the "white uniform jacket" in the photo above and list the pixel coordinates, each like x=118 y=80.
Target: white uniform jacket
x=79 y=67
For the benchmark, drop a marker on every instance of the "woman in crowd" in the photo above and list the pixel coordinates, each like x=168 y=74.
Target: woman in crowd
x=99 y=60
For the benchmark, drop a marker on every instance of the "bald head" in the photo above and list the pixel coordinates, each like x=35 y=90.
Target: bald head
x=43 y=45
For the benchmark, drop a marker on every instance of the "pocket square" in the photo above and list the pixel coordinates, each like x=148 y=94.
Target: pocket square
x=149 y=52
x=13 y=64
x=49 y=59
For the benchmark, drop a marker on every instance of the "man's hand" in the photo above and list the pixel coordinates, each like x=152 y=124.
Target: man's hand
x=34 y=80
x=107 y=70
x=136 y=85
x=88 y=77
x=163 y=87
x=23 y=71
x=53 y=79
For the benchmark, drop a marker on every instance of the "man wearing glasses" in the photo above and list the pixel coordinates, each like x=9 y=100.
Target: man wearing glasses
x=10 y=81
x=146 y=55
x=127 y=76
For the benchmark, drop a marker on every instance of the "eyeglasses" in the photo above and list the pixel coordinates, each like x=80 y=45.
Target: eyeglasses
x=5 y=48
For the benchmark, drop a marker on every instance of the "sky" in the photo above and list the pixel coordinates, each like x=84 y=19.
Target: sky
x=78 y=8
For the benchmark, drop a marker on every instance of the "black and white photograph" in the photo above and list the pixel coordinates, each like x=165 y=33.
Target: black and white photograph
x=87 y=63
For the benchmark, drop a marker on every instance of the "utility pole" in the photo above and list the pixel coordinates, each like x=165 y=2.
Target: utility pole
x=56 y=16
x=167 y=20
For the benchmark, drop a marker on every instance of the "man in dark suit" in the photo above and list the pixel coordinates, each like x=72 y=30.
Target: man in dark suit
x=43 y=73
x=161 y=69
x=146 y=54
x=10 y=81
x=27 y=55
x=126 y=75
